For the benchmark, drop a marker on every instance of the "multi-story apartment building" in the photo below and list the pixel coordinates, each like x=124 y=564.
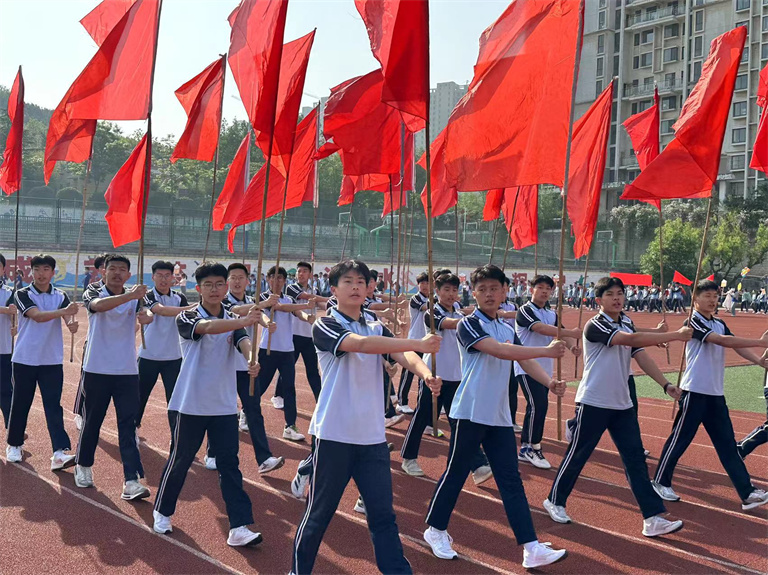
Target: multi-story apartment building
x=442 y=100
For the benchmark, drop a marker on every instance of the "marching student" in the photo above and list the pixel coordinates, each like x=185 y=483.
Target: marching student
x=205 y=401
x=38 y=360
x=488 y=345
x=162 y=355
x=703 y=398
x=7 y=333
x=351 y=443
x=603 y=402
x=447 y=318
x=110 y=372
x=508 y=312
x=536 y=326
x=417 y=307
x=759 y=435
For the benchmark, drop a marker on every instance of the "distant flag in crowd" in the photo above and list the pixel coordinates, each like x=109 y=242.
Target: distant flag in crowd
x=681 y=279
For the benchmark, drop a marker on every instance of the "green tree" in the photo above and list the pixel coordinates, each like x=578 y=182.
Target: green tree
x=728 y=245
x=682 y=242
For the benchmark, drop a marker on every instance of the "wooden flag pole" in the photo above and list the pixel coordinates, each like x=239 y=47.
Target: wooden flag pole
x=509 y=232
x=215 y=161
x=456 y=244
x=564 y=214
x=583 y=291
x=409 y=249
x=493 y=239
x=536 y=256
x=16 y=263
x=315 y=204
x=400 y=241
x=392 y=274
x=431 y=296
x=346 y=234
x=661 y=276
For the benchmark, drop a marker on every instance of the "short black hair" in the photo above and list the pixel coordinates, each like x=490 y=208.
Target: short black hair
x=487 y=272
x=606 y=283
x=162 y=265
x=346 y=267
x=304 y=265
x=237 y=266
x=440 y=271
x=542 y=279
x=375 y=274
x=2 y=260
x=447 y=279
x=506 y=281
x=116 y=258
x=280 y=271
x=422 y=277
x=98 y=261
x=43 y=260
x=705 y=285
x=208 y=269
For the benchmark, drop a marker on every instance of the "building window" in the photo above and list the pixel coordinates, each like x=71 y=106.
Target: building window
x=672 y=31
x=600 y=68
x=601 y=44
x=745 y=23
x=742 y=5
x=644 y=105
x=603 y=4
x=737 y=162
x=745 y=54
x=765 y=23
x=598 y=87
x=617 y=20
x=636 y=40
x=666 y=126
x=738 y=135
x=739 y=109
x=669 y=102
x=670 y=54
x=646 y=60
x=698 y=21
x=698 y=46
x=616 y=41
x=601 y=20
x=635 y=62
x=764 y=51
x=696 y=71
x=646 y=37
x=617 y=62
x=741 y=82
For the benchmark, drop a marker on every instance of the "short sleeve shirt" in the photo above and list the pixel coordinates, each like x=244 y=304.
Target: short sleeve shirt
x=300 y=328
x=704 y=361
x=39 y=343
x=448 y=359
x=417 y=329
x=229 y=302
x=161 y=336
x=111 y=347
x=527 y=316
x=282 y=339
x=6 y=299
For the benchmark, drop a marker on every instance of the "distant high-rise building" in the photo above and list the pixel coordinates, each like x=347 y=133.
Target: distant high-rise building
x=442 y=100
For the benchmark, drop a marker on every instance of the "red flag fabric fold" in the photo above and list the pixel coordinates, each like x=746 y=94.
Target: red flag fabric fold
x=201 y=99
x=634 y=279
x=521 y=214
x=232 y=193
x=688 y=166
x=643 y=131
x=711 y=278
x=511 y=127
x=125 y=196
x=399 y=34
x=759 y=159
x=681 y=279
x=589 y=149
x=492 y=207
x=444 y=194
x=10 y=170
x=100 y=21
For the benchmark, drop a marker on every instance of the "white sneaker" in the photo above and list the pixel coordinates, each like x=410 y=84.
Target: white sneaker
x=756 y=498
x=666 y=493
x=242 y=536
x=61 y=460
x=138 y=439
x=393 y=399
x=556 y=512
x=482 y=474
x=428 y=431
x=243 y=421
x=542 y=554
x=568 y=430
x=404 y=409
x=534 y=456
x=134 y=489
x=271 y=464
x=440 y=542
x=210 y=463
x=657 y=525
x=517 y=428
x=299 y=485
x=83 y=476
x=646 y=452
x=412 y=468
x=394 y=420
x=292 y=433
x=79 y=422
x=13 y=454
x=360 y=505
x=277 y=402
x=162 y=523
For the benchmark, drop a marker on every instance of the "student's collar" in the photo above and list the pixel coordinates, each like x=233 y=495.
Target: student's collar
x=482 y=316
x=442 y=307
x=220 y=315
x=233 y=298
x=702 y=316
x=537 y=306
x=154 y=289
x=37 y=291
x=610 y=319
x=110 y=292
x=361 y=320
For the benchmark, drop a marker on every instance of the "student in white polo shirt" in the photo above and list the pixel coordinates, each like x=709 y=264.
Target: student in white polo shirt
x=351 y=443
x=417 y=307
x=111 y=374
x=162 y=356
x=508 y=312
x=7 y=333
x=488 y=346
x=38 y=361
x=603 y=403
x=205 y=401
x=703 y=398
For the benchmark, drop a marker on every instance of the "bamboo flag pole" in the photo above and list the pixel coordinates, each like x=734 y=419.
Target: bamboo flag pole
x=15 y=262
x=315 y=204
x=216 y=160
x=661 y=275
x=409 y=248
x=581 y=307
x=346 y=234
x=493 y=239
x=456 y=243
x=400 y=241
x=564 y=214
x=695 y=283
x=536 y=256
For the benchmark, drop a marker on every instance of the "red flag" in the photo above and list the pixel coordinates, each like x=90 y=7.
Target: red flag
x=511 y=127
x=293 y=71
x=493 y=201
x=643 y=130
x=10 y=170
x=399 y=35
x=232 y=193
x=711 y=278
x=634 y=279
x=116 y=83
x=681 y=279
x=100 y=21
x=444 y=195
x=327 y=149
x=587 y=170
x=125 y=196
x=688 y=166
x=255 y=49
x=759 y=159
x=521 y=214
x=201 y=100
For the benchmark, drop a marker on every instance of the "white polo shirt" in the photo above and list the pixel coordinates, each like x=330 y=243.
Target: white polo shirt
x=704 y=362
x=207 y=382
x=282 y=339
x=527 y=316
x=161 y=336
x=348 y=379
x=606 y=366
x=39 y=343
x=417 y=308
x=448 y=359
x=300 y=328
x=483 y=395
x=111 y=347
x=6 y=299
x=241 y=362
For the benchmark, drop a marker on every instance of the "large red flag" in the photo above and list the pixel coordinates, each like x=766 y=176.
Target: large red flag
x=125 y=196
x=201 y=100
x=492 y=207
x=688 y=166
x=10 y=170
x=643 y=131
x=511 y=127
x=759 y=159
x=232 y=193
x=255 y=48
x=681 y=279
x=521 y=214
x=399 y=35
x=589 y=149
x=116 y=83
x=100 y=21
x=444 y=194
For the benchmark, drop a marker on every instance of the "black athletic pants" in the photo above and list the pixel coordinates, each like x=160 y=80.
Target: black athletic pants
x=149 y=370
x=285 y=363
x=6 y=387
x=537 y=399
x=303 y=346
x=758 y=435
x=406 y=379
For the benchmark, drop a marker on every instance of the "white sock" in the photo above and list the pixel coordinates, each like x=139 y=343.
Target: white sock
x=436 y=530
x=536 y=445
x=531 y=545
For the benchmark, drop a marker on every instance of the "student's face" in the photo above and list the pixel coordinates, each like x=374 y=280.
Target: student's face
x=612 y=300
x=237 y=280
x=163 y=280
x=424 y=287
x=2 y=270
x=489 y=294
x=448 y=294
x=302 y=275
x=42 y=274
x=212 y=289
x=117 y=273
x=706 y=301
x=276 y=283
x=541 y=293
x=371 y=287
x=351 y=288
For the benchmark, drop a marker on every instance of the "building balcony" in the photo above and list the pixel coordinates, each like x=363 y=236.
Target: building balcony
x=641 y=2
x=668 y=14
x=628 y=160
x=646 y=90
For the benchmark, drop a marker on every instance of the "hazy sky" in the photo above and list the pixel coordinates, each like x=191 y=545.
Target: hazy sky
x=46 y=38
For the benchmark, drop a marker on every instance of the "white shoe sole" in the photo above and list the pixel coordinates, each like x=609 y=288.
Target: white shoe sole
x=535 y=566
x=748 y=506
x=554 y=517
x=143 y=494
x=162 y=531
x=65 y=465
x=535 y=462
x=419 y=473
x=278 y=465
x=83 y=485
x=676 y=526
x=665 y=498
x=255 y=540
x=444 y=557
